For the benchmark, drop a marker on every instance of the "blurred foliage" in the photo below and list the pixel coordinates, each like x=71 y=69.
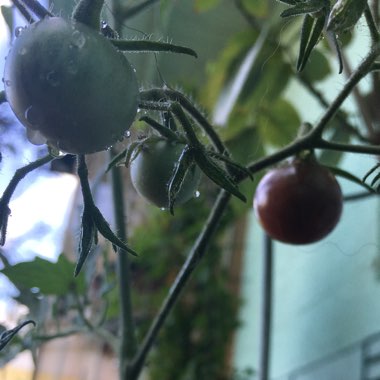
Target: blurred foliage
x=48 y=277
x=199 y=330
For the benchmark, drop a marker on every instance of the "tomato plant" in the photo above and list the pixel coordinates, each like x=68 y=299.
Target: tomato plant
x=152 y=170
x=299 y=202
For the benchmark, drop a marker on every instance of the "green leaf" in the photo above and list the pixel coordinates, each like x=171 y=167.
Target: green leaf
x=246 y=147
x=50 y=278
x=278 y=123
x=311 y=32
x=350 y=177
x=8 y=17
x=258 y=8
x=317 y=68
x=205 y=5
x=338 y=133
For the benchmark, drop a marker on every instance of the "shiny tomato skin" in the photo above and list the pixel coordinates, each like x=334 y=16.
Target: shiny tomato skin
x=69 y=86
x=152 y=170
x=298 y=203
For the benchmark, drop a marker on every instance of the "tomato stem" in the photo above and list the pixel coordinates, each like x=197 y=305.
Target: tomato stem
x=128 y=343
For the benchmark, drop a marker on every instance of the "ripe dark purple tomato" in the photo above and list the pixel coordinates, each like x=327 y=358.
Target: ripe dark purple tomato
x=298 y=203
x=152 y=170
x=69 y=86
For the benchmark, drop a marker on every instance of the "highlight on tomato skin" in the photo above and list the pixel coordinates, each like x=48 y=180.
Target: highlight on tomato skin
x=298 y=203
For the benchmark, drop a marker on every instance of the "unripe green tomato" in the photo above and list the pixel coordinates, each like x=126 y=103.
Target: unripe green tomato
x=152 y=170
x=69 y=86
x=298 y=203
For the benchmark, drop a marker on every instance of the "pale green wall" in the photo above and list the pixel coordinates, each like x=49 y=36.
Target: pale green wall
x=326 y=295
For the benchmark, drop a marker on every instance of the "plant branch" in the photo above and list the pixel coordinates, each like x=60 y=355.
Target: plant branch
x=96 y=329
x=349 y=148
x=128 y=343
x=10 y=189
x=362 y=70
x=194 y=257
x=149 y=97
x=371 y=25
x=323 y=101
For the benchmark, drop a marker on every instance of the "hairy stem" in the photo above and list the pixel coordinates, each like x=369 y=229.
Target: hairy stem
x=363 y=69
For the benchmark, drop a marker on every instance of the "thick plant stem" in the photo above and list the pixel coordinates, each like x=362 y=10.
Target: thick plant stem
x=128 y=342
x=197 y=252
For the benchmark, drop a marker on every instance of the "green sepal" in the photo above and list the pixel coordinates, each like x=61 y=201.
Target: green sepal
x=151 y=46
x=161 y=129
x=217 y=174
x=231 y=164
x=8 y=335
x=105 y=229
x=312 y=29
x=88 y=236
x=185 y=162
x=118 y=159
x=288 y=2
x=5 y=211
x=344 y=174
x=302 y=8
x=375 y=179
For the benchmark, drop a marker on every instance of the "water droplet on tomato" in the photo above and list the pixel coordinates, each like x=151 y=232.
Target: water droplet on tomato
x=19 y=30
x=78 y=39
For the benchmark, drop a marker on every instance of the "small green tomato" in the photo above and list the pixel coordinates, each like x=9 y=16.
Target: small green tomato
x=69 y=86
x=152 y=170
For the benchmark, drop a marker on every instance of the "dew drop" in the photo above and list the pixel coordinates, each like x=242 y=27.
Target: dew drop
x=7 y=82
x=127 y=134
x=52 y=78
x=78 y=39
x=23 y=51
x=19 y=30
x=163 y=208
x=32 y=116
x=197 y=194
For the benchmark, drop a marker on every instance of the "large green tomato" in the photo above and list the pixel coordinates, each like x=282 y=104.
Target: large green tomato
x=70 y=87
x=152 y=170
